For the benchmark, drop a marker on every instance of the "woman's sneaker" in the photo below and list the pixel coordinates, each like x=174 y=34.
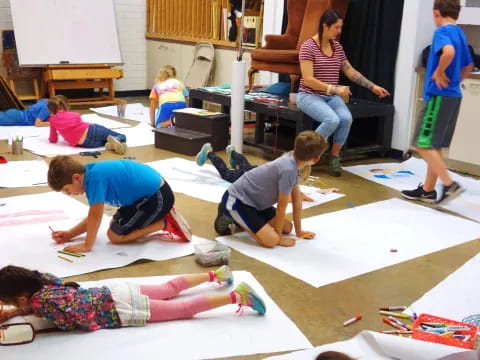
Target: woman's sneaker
x=222 y=275
x=450 y=193
x=230 y=149
x=202 y=155
x=246 y=296
x=420 y=195
x=176 y=224
x=115 y=145
x=334 y=168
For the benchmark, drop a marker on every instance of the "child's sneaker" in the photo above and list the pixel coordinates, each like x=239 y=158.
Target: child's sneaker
x=420 y=194
x=222 y=275
x=230 y=149
x=450 y=193
x=176 y=224
x=224 y=223
x=202 y=155
x=246 y=296
x=115 y=145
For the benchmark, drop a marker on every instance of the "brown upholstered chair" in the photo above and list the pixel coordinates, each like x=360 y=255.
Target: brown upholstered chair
x=280 y=54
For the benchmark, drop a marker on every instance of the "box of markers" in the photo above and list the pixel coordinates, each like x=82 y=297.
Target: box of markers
x=444 y=331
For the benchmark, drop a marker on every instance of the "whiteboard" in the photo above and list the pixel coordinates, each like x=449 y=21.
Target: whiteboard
x=65 y=32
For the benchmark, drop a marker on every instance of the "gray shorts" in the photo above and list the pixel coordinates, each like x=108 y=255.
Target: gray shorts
x=436 y=122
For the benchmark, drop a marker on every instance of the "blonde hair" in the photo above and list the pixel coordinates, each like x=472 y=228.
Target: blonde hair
x=165 y=73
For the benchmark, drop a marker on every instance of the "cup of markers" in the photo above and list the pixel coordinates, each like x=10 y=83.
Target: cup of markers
x=444 y=331
x=17 y=146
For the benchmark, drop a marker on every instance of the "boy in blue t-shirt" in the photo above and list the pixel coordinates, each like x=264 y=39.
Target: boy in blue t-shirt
x=36 y=114
x=448 y=64
x=144 y=198
x=249 y=201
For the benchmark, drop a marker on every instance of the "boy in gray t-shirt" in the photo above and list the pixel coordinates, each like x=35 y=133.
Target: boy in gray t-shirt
x=249 y=201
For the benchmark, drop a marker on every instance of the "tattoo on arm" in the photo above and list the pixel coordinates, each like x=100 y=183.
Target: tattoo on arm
x=346 y=66
x=361 y=80
x=355 y=76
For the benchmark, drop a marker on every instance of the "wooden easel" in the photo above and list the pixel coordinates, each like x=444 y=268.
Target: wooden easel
x=57 y=77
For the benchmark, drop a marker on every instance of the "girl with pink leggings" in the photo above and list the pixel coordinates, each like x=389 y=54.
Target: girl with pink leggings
x=69 y=307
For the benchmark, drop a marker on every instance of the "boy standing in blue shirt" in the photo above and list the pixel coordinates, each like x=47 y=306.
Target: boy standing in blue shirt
x=144 y=198
x=249 y=201
x=448 y=64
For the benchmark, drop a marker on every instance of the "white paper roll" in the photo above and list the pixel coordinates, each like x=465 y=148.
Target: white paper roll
x=237 y=105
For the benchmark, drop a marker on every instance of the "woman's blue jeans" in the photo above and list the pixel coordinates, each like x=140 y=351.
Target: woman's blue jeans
x=331 y=112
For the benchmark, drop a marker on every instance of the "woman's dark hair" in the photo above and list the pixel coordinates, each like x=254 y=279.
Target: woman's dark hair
x=15 y=281
x=329 y=17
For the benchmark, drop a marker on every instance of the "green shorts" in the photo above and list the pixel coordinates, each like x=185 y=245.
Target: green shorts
x=436 y=123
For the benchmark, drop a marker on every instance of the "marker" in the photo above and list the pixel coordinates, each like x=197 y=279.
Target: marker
x=70 y=253
x=64 y=62
x=352 y=320
x=391 y=323
x=396 y=332
x=350 y=204
x=398 y=322
x=64 y=258
x=393 y=308
x=397 y=315
x=51 y=229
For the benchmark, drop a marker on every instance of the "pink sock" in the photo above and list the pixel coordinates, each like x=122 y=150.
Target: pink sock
x=161 y=310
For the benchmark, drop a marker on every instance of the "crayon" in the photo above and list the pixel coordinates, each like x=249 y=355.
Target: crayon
x=70 y=253
x=64 y=258
x=352 y=320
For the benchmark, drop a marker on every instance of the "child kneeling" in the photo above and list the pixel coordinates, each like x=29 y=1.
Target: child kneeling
x=249 y=201
x=144 y=197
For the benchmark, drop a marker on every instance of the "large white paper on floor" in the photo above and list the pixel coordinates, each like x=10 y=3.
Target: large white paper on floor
x=218 y=333
x=100 y=120
x=137 y=112
x=26 y=237
x=23 y=173
x=456 y=297
x=358 y=240
x=407 y=175
x=369 y=345
x=138 y=135
x=12 y=132
x=204 y=182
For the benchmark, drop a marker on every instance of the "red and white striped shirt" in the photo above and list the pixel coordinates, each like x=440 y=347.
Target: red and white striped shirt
x=325 y=68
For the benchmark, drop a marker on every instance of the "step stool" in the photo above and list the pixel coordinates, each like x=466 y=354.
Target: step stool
x=179 y=140
x=214 y=125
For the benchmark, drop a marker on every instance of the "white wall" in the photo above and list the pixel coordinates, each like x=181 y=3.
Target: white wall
x=131 y=28
x=131 y=23
x=161 y=53
x=416 y=34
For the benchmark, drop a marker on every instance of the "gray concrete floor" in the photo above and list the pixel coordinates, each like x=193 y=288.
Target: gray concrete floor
x=318 y=313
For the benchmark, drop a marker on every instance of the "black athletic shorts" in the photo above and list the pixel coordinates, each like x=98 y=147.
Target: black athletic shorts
x=143 y=212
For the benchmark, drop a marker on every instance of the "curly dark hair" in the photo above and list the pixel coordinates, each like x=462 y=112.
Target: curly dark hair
x=16 y=280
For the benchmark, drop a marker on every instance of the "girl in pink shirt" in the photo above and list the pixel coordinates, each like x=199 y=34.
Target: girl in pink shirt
x=82 y=134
